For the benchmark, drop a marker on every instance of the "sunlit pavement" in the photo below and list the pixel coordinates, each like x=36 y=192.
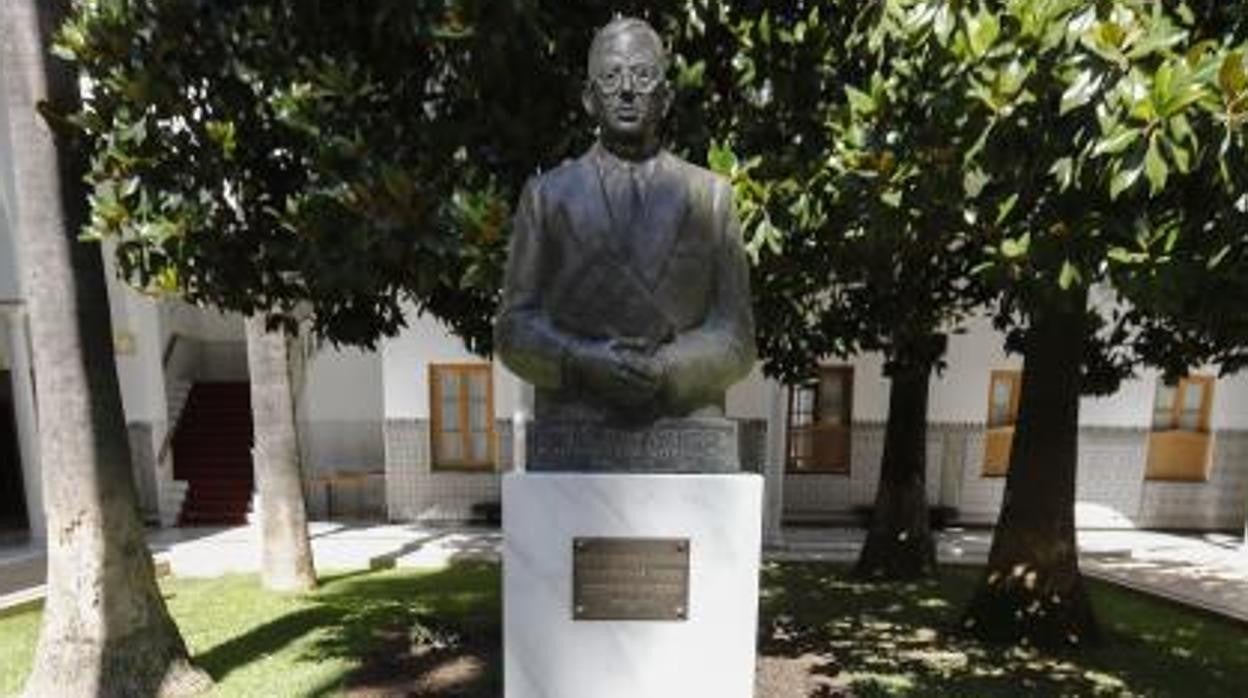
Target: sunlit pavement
x=1208 y=570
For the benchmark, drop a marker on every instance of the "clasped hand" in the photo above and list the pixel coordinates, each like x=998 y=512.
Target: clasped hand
x=625 y=371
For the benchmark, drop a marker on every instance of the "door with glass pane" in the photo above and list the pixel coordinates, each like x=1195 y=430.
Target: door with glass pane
x=820 y=417
x=1003 y=392
x=462 y=416
x=1179 y=444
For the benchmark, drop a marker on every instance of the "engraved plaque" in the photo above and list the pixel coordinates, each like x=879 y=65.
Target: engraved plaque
x=685 y=445
x=630 y=579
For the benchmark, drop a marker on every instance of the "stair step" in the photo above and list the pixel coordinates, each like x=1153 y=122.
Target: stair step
x=212 y=453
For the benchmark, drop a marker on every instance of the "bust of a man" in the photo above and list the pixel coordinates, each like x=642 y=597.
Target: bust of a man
x=627 y=291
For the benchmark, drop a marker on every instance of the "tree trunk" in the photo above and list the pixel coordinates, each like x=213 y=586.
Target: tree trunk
x=285 y=551
x=1032 y=591
x=106 y=631
x=899 y=544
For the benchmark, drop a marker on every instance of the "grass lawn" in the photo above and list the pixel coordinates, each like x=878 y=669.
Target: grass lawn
x=426 y=634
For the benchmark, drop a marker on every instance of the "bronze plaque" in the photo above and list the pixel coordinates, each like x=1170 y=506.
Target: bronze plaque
x=630 y=579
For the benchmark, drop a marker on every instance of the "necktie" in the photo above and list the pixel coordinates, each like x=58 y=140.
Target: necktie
x=624 y=189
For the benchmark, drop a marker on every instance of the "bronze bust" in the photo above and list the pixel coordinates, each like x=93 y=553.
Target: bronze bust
x=626 y=295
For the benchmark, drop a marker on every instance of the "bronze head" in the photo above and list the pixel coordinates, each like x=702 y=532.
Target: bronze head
x=627 y=92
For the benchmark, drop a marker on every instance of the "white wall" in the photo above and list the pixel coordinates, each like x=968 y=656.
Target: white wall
x=204 y=324
x=960 y=393
x=341 y=410
x=10 y=282
x=10 y=289
x=870 y=388
x=1230 y=403
x=343 y=385
x=406 y=360
x=137 y=346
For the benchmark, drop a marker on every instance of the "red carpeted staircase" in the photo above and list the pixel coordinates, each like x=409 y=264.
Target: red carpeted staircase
x=212 y=453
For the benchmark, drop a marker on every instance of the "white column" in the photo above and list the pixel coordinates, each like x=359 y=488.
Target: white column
x=774 y=464
x=27 y=420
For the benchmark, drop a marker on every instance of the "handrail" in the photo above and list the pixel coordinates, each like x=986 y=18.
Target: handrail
x=167 y=443
x=169 y=348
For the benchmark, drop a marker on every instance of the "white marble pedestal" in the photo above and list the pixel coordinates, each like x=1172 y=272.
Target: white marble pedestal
x=711 y=654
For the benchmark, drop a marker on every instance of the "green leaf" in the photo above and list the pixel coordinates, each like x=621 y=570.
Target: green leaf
x=1013 y=248
x=943 y=22
x=1181 y=128
x=1069 y=275
x=974 y=181
x=1155 y=167
x=1080 y=91
x=1123 y=179
x=1181 y=156
x=1064 y=172
x=859 y=101
x=1221 y=255
x=982 y=30
x=1124 y=256
x=721 y=158
x=1004 y=209
x=1117 y=141
x=1231 y=76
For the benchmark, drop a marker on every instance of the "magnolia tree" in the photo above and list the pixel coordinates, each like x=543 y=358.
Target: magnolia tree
x=860 y=248
x=1103 y=150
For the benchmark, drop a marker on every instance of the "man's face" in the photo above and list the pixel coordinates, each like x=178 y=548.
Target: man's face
x=627 y=92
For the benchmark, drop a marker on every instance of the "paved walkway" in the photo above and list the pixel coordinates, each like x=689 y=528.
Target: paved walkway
x=1209 y=571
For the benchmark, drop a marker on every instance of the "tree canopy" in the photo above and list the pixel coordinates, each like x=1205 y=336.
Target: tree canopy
x=351 y=157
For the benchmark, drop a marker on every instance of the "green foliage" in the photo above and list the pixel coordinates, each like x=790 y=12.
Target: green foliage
x=895 y=163
x=353 y=156
x=238 y=152
x=1101 y=146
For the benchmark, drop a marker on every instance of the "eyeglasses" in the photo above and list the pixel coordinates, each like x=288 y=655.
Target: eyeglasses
x=644 y=78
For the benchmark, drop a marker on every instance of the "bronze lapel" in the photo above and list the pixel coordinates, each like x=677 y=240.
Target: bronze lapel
x=656 y=230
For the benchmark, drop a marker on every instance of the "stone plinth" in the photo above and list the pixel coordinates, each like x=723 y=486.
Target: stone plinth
x=673 y=445
x=710 y=653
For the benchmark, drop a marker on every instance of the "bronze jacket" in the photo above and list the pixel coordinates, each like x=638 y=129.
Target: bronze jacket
x=676 y=278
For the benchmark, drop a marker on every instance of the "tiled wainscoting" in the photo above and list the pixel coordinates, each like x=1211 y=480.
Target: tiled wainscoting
x=344 y=469
x=1112 y=491
x=811 y=496
x=415 y=491
x=1220 y=503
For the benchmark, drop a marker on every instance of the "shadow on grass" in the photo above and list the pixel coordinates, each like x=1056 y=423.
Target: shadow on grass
x=898 y=639
x=437 y=634
x=406 y=633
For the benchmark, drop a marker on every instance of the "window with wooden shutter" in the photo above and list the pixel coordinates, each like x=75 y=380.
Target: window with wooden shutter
x=1179 y=444
x=461 y=402
x=1004 y=388
x=820 y=419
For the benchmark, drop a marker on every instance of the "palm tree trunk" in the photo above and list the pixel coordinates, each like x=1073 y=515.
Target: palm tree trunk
x=286 y=553
x=106 y=631
x=899 y=544
x=1032 y=590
